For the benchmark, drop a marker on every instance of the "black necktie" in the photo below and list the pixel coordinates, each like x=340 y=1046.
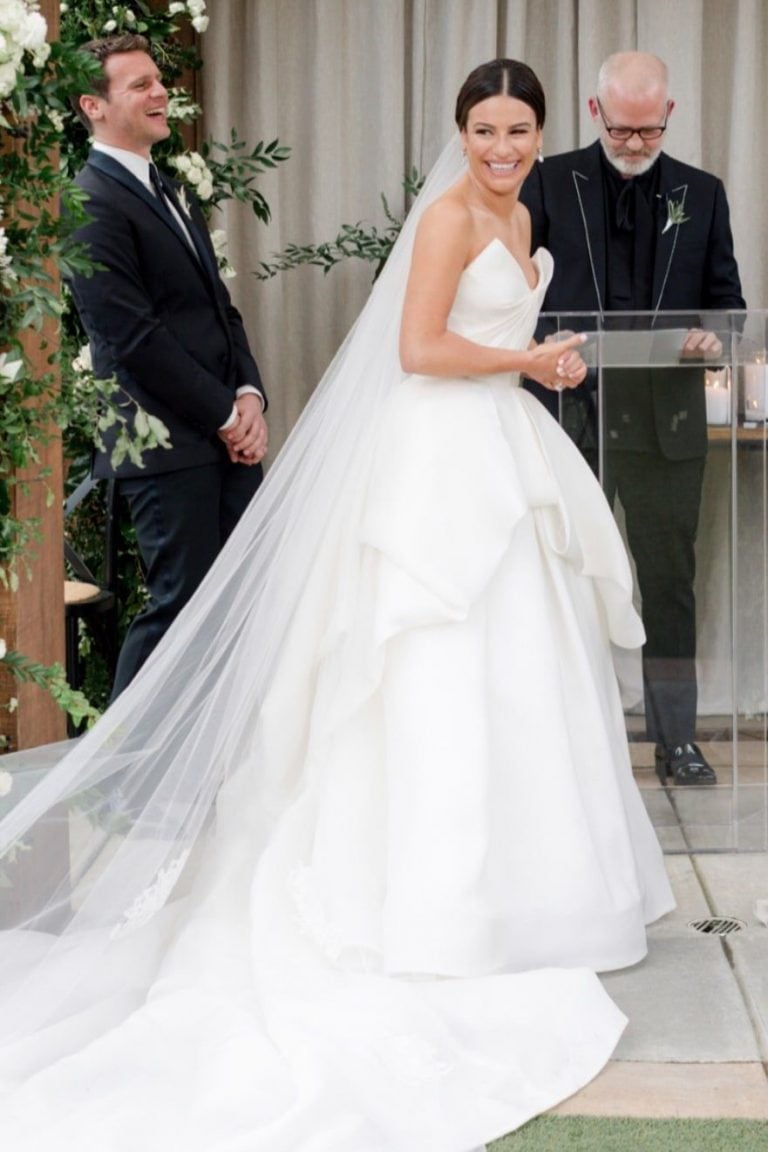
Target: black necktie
x=182 y=224
x=157 y=187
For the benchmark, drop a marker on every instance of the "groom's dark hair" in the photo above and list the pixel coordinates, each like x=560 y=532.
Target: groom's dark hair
x=101 y=50
x=501 y=78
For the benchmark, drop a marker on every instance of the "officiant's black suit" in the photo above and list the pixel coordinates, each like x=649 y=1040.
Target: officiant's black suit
x=612 y=252
x=160 y=320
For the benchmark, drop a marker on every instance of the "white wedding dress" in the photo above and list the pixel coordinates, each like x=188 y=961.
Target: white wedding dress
x=386 y=940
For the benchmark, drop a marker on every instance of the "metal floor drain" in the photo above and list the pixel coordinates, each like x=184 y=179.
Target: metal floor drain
x=717 y=925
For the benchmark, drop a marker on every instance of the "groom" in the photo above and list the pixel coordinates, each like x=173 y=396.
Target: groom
x=632 y=229
x=160 y=320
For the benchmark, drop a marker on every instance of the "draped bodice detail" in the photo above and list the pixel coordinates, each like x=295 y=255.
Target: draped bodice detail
x=494 y=304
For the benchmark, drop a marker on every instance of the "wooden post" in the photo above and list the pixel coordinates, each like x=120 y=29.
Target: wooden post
x=32 y=619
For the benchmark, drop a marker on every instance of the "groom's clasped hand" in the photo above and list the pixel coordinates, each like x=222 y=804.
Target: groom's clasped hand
x=247 y=441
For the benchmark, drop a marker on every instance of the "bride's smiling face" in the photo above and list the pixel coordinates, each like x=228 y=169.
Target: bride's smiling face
x=501 y=141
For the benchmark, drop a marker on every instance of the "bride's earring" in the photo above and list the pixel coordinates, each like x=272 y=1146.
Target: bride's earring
x=540 y=156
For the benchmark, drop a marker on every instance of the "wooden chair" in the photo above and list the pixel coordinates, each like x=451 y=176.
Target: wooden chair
x=86 y=597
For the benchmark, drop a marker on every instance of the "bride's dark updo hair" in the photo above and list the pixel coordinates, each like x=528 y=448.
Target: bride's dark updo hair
x=501 y=78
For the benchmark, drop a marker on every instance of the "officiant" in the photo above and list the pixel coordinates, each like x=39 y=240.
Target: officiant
x=632 y=229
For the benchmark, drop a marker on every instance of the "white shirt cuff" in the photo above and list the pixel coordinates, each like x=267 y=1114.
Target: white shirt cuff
x=245 y=388
x=233 y=418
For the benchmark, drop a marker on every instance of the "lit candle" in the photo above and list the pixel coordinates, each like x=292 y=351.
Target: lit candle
x=717 y=391
x=756 y=389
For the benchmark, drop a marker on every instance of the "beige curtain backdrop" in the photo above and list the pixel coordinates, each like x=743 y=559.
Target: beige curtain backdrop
x=363 y=90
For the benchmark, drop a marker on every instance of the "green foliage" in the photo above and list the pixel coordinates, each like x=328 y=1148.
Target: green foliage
x=361 y=241
x=54 y=681
x=40 y=209
x=234 y=173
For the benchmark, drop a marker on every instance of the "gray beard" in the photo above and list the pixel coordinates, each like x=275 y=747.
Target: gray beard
x=634 y=169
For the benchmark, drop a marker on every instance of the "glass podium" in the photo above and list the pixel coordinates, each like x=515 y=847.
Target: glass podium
x=673 y=419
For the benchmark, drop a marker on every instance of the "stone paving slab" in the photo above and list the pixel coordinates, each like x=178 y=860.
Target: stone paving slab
x=734 y=882
x=703 y=1091
x=684 y=1005
x=750 y=958
x=697 y=1042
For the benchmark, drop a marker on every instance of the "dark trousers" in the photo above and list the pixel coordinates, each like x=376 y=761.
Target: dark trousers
x=182 y=520
x=661 y=500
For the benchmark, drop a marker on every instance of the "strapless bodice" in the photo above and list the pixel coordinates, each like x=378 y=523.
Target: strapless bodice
x=494 y=303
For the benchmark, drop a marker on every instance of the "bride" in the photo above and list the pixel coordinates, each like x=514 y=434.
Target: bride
x=335 y=872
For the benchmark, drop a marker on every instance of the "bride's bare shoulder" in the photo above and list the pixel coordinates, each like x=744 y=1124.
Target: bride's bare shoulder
x=449 y=216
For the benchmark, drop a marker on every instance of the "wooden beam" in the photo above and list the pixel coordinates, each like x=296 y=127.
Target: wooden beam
x=32 y=619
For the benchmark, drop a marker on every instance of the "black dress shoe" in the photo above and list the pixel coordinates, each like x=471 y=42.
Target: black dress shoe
x=685 y=764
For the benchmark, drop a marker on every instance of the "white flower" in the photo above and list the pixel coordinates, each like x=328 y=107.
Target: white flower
x=8 y=72
x=9 y=370
x=3 y=649
x=176 y=7
x=6 y=783
x=33 y=33
x=41 y=54
x=63 y=8
x=56 y=118
x=181 y=107
x=109 y=26
x=181 y=163
x=82 y=362
x=195 y=7
x=195 y=171
x=22 y=29
x=130 y=16
x=13 y=704
x=7 y=273
x=200 y=23
x=13 y=17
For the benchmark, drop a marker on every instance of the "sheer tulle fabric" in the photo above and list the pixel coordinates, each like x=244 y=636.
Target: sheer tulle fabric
x=275 y=890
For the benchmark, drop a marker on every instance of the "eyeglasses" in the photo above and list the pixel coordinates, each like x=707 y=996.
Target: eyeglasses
x=652 y=132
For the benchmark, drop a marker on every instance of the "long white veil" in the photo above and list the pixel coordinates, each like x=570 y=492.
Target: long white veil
x=94 y=838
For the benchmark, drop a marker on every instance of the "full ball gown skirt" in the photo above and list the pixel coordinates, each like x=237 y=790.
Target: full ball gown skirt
x=390 y=939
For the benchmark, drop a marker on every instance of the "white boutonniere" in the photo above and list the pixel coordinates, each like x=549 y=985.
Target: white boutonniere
x=675 y=214
x=181 y=196
x=219 y=241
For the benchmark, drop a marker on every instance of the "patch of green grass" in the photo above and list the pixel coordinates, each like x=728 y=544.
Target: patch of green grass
x=601 y=1134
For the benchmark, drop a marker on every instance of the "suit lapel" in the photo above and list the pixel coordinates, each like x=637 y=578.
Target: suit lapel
x=673 y=201
x=588 y=189
x=117 y=171
x=201 y=249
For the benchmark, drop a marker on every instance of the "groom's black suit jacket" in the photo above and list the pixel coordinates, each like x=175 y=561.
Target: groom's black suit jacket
x=694 y=268
x=159 y=318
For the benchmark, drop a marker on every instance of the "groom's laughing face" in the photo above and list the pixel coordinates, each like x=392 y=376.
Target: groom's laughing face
x=133 y=114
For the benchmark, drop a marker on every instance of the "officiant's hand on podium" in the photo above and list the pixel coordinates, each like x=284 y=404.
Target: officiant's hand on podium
x=701 y=345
